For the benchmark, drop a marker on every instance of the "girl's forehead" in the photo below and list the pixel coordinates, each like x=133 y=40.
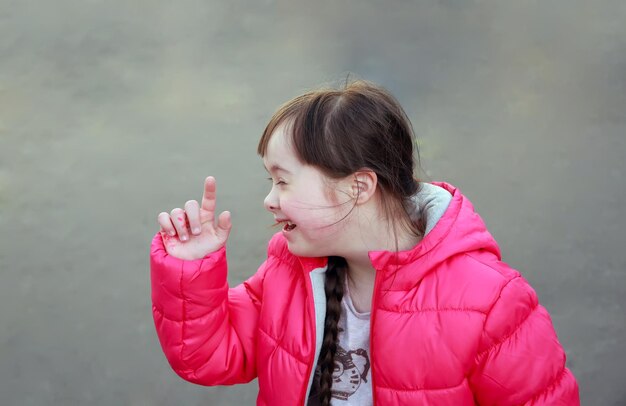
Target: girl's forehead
x=279 y=149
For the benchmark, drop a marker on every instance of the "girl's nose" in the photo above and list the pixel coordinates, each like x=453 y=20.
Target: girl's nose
x=271 y=202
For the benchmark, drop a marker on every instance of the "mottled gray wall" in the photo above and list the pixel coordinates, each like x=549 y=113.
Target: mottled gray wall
x=112 y=111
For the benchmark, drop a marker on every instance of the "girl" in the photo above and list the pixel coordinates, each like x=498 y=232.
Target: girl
x=379 y=289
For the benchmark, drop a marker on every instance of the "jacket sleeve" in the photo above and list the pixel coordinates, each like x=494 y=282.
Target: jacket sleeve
x=206 y=329
x=520 y=360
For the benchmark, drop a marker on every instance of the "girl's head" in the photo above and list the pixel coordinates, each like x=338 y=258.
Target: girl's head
x=335 y=156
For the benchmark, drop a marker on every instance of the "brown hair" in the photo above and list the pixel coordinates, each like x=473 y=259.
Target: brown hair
x=341 y=131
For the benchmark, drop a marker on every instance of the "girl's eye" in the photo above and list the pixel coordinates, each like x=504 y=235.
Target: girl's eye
x=280 y=182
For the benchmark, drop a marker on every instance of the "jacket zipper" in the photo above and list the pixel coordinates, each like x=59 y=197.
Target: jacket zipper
x=310 y=304
x=372 y=319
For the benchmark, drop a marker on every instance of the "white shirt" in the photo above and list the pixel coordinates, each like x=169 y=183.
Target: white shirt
x=352 y=378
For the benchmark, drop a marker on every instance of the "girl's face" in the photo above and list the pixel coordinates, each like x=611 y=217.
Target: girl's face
x=308 y=204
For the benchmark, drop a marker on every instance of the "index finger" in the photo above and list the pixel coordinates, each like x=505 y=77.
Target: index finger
x=208 y=198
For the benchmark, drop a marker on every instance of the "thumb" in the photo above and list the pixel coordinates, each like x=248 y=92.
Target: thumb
x=224 y=225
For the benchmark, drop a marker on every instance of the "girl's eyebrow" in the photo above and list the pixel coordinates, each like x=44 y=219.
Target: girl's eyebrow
x=275 y=168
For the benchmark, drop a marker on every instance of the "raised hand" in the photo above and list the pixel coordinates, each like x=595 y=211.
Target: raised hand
x=192 y=233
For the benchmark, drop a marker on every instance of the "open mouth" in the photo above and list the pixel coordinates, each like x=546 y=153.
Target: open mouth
x=288 y=226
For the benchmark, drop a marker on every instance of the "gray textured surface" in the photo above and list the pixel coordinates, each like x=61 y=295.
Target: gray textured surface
x=113 y=111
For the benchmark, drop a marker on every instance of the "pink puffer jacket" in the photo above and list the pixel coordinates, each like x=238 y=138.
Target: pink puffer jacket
x=451 y=324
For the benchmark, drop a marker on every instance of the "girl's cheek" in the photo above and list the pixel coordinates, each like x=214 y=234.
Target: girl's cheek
x=316 y=219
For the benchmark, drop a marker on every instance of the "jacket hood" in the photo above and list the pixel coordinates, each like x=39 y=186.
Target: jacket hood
x=459 y=230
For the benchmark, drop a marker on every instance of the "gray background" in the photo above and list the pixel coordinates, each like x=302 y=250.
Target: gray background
x=112 y=111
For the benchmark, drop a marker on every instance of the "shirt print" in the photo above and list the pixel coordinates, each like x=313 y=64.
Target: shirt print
x=351 y=369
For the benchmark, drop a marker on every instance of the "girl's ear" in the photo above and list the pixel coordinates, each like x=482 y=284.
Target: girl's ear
x=363 y=185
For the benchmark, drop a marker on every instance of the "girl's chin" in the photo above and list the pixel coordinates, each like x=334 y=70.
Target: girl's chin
x=300 y=250
x=308 y=246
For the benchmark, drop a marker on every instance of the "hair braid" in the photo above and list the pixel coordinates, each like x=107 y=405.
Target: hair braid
x=333 y=285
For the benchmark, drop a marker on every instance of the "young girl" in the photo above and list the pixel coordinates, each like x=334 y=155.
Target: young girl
x=380 y=289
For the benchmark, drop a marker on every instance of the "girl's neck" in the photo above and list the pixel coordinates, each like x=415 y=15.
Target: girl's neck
x=361 y=273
